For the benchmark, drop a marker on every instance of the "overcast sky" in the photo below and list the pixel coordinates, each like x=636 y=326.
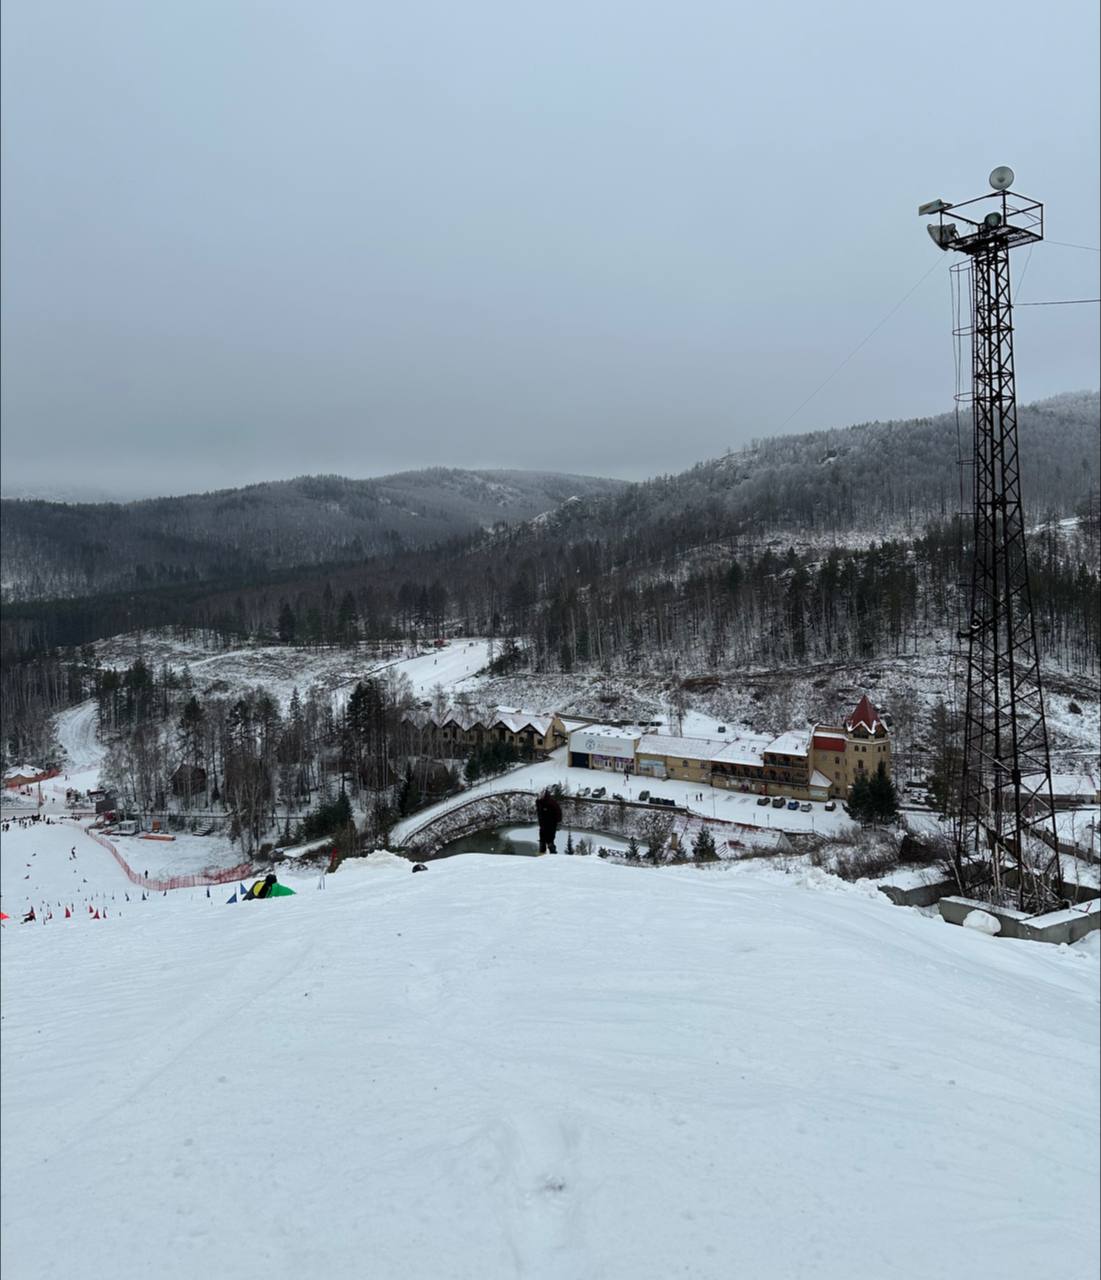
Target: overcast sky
x=246 y=241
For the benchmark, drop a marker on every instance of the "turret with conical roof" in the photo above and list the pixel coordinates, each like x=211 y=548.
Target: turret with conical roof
x=865 y=719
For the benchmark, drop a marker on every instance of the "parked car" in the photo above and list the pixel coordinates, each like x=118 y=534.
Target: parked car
x=777 y=802
x=793 y=804
x=616 y=795
x=644 y=795
x=831 y=805
x=805 y=807
x=584 y=791
x=599 y=792
x=762 y=800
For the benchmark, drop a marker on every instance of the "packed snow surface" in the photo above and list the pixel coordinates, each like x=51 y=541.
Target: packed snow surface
x=542 y=1067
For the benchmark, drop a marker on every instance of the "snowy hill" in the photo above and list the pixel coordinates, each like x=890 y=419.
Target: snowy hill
x=552 y=1068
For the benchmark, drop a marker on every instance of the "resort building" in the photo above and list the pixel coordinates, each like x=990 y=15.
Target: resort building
x=603 y=746
x=805 y=764
x=856 y=748
x=462 y=729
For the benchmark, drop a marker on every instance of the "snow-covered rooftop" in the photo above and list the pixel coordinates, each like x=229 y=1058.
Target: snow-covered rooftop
x=517 y=721
x=610 y=731
x=795 y=742
x=744 y=750
x=1066 y=784
x=659 y=744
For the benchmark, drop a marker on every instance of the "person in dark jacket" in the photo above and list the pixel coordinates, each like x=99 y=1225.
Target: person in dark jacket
x=549 y=813
x=262 y=888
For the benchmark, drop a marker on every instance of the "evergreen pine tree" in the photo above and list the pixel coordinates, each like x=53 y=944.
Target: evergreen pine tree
x=857 y=805
x=882 y=796
x=632 y=850
x=703 y=849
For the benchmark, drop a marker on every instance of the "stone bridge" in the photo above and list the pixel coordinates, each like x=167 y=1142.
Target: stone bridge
x=500 y=808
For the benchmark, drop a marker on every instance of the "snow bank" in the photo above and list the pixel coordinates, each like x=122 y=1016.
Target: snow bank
x=982 y=922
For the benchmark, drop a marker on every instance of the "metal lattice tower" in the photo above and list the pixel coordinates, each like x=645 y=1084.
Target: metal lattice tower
x=1006 y=803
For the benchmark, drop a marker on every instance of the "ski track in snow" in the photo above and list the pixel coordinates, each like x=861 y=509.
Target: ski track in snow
x=545 y=1068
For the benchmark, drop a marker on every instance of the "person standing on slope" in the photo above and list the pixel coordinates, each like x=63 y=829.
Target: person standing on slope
x=549 y=813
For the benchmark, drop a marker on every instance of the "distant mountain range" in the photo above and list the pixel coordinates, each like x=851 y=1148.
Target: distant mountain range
x=53 y=549
x=871 y=481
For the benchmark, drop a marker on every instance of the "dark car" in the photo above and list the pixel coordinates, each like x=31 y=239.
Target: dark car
x=793 y=804
x=644 y=795
x=831 y=805
x=762 y=799
x=777 y=802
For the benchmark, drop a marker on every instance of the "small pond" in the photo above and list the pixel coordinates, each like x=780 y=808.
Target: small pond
x=524 y=841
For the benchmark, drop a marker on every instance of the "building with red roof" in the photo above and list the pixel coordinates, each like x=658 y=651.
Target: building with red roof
x=857 y=747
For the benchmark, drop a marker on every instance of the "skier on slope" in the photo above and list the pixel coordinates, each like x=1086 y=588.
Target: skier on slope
x=549 y=813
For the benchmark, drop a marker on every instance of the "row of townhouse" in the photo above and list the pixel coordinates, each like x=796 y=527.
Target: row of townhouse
x=807 y=764
x=461 y=729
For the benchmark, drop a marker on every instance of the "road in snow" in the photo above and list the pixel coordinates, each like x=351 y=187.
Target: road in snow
x=549 y=1068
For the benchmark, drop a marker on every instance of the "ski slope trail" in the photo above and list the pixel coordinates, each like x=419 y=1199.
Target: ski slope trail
x=77 y=730
x=549 y=1069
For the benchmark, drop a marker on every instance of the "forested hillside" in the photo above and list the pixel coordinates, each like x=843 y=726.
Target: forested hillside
x=845 y=486
x=681 y=575
x=883 y=478
x=59 y=549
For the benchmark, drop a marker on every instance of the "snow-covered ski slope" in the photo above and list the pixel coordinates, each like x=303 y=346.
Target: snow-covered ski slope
x=549 y=1068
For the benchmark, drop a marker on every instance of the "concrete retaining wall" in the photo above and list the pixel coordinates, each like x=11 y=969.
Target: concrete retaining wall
x=1053 y=926
x=919 y=895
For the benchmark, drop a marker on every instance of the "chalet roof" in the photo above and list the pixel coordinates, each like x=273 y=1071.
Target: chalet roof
x=462 y=718
x=517 y=721
x=22 y=771
x=865 y=716
x=465 y=719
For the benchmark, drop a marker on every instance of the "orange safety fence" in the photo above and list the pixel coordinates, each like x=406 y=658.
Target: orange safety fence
x=214 y=875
